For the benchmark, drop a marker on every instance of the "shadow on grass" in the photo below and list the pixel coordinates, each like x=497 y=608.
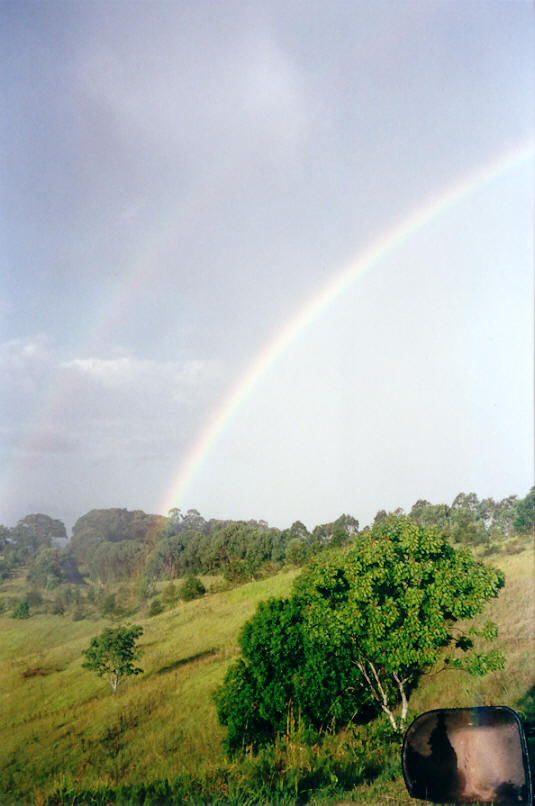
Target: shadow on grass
x=184 y=661
x=39 y=671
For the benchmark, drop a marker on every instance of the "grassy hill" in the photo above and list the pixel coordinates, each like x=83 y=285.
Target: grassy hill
x=61 y=727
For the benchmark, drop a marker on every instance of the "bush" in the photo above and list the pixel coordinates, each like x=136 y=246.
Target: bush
x=22 y=610
x=155 y=608
x=192 y=589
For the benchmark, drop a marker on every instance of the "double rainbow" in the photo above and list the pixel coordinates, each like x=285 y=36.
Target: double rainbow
x=369 y=258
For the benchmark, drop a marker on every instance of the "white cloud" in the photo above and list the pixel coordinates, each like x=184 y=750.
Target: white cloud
x=180 y=380
x=18 y=354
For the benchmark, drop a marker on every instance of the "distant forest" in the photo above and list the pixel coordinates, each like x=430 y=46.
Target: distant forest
x=114 y=545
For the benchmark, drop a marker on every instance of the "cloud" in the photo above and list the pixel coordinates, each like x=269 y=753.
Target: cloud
x=87 y=426
x=179 y=380
x=16 y=355
x=89 y=403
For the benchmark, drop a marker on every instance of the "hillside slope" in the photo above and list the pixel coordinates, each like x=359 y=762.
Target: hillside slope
x=61 y=725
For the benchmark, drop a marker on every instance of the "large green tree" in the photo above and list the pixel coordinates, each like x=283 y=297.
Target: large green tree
x=398 y=594
x=360 y=629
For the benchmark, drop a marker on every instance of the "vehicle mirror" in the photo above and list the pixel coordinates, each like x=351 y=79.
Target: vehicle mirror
x=468 y=755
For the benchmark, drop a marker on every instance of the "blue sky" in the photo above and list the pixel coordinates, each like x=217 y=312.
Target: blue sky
x=180 y=178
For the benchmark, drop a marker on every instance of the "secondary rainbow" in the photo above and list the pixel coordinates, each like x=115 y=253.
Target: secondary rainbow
x=365 y=260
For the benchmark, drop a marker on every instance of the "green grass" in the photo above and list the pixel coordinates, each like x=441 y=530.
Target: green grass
x=60 y=725
x=513 y=611
x=58 y=721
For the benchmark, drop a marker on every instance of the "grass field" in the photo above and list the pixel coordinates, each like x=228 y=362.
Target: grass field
x=61 y=726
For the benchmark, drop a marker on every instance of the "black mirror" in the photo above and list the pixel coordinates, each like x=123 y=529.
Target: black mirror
x=468 y=755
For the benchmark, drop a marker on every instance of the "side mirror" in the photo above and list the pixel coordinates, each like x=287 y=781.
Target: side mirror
x=468 y=755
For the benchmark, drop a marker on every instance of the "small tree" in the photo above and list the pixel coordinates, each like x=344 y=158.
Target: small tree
x=113 y=652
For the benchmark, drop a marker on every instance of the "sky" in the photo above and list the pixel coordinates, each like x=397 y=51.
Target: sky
x=185 y=187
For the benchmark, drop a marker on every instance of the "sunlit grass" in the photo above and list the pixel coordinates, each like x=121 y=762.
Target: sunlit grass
x=57 y=720
x=514 y=612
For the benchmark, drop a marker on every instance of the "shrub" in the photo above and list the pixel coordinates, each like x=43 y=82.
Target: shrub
x=192 y=589
x=155 y=608
x=22 y=610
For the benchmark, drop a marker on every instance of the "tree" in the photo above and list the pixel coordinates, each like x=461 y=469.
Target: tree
x=113 y=652
x=46 y=569
x=31 y=534
x=287 y=670
x=524 y=514
x=360 y=628
x=397 y=594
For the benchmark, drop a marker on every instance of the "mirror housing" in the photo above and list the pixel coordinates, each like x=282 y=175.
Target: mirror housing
x=468 y=755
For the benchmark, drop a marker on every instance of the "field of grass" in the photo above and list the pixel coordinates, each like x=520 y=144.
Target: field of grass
x=60 y=725
x=60 y=722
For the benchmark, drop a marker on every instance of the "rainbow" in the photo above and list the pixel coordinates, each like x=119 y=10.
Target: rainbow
x=369 y=258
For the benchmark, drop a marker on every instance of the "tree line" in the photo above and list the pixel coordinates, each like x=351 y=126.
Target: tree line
x=112 y=545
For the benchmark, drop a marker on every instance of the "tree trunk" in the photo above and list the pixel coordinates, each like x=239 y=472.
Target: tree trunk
x=378 y=691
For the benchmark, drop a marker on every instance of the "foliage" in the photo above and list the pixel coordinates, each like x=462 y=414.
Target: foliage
x=192 y=589
x=524 y=515
x=21 y=610
x=112 y=543
x=113 y=652
x=155 y=608
x=286 y=672
x=46 y=569
x=397 y=594
x=358 y=632
x=469 y=520
x=35 y=531
x=29 y=536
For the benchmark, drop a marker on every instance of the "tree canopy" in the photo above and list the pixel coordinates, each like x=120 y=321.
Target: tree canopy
x=397 y=593
x=361 y=627
x=113 y=652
